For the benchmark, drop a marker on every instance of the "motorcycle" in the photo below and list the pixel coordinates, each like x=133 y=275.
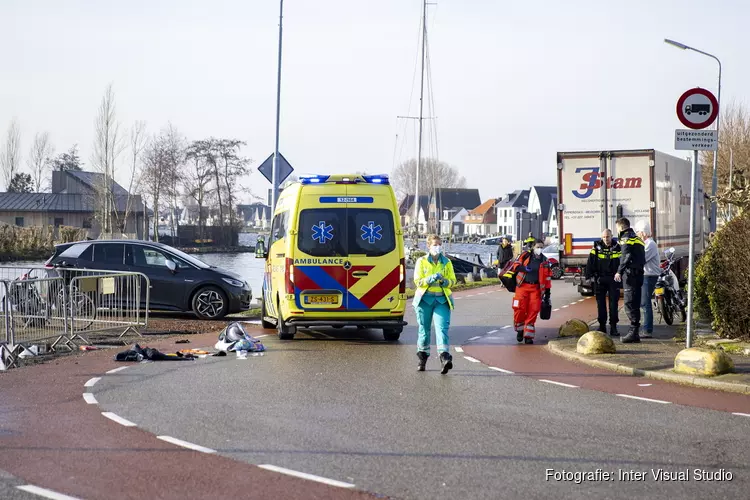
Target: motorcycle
x=667 y=294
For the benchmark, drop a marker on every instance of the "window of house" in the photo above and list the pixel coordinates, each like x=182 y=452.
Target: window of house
x=86 y=223
x=58 y=221
x=19 y=221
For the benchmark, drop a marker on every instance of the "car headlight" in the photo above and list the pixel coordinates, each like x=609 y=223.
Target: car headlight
x=233 y=282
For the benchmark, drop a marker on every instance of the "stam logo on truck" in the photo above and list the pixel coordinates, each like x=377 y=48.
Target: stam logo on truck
x=593 y=180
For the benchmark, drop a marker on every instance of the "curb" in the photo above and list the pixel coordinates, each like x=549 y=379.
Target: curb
x=704 y=383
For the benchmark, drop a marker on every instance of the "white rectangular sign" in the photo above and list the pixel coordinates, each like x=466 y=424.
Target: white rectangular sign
x=701 y=140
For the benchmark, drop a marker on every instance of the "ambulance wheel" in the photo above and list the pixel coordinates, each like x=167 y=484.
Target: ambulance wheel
x=284 y=332
x=392 y=334
x=265 y=324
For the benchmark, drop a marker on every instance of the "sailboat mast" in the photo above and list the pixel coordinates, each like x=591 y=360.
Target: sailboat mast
x=421 y=117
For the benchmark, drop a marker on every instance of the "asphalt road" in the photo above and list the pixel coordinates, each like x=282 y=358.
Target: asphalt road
x=347 y=406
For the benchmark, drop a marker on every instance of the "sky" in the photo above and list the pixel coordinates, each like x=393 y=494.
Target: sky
x=512 y=82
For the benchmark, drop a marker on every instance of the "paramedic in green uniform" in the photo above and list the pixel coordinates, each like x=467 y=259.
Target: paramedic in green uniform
x=434 y=277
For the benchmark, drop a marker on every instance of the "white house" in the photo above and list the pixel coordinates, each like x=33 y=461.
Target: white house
x=543 y=202
x=509 y=210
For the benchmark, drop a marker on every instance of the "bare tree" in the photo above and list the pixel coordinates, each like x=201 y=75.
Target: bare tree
x=137 y=143
x=10 y=157
x=176 y=161
x=197 y=179
x=433 y=175
x=735 y=145
x=155 y=175
x=233 y=168
x=40 y=159
x=108 y=145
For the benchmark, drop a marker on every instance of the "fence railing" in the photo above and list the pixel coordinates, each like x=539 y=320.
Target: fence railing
x=64 y=307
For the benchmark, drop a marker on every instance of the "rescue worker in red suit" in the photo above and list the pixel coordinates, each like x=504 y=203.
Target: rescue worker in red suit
x=533 y=281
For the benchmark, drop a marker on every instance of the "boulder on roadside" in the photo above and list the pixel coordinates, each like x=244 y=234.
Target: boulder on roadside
x=595 y=343
x=699 y=361
x=573 y=328
x=460 y=279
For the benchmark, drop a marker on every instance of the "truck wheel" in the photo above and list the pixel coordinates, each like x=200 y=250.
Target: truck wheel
x=263 y=315
x=392 y=334
x=284 y=332
x=557 y=273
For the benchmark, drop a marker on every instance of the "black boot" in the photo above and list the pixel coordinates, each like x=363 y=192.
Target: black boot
x=447 y=361
x=519 y=336
x=602 y=328
x=528 y=340
x=613 y=331
x=632 y=337
x=422 y=360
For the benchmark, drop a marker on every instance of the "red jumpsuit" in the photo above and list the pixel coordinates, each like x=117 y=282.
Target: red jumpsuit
x=527 y=301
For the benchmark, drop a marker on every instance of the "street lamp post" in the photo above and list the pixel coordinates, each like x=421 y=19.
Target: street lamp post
x=714 y=182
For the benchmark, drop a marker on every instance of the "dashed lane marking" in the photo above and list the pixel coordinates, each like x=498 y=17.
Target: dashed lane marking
x=89 y=398
x=474 y=338
x=645 y=385
x=115 y=370
x=580 y=301
x=555 y=310
x=645 y=399
x=43 y=492
x=261 y=336
x=469 y=358
x=563 y=307
x=506 y=327
x=500 y=370
x=742 y=414
x=116 y=418
x=558 y=383
x=92 y=381
x=185 y=444
x=458 y=349
x=303 y=475
x=491 y=332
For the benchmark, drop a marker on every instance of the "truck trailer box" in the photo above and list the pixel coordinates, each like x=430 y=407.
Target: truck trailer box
x=595 y=188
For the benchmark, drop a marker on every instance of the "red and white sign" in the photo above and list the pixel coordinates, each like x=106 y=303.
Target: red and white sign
x=697 y=108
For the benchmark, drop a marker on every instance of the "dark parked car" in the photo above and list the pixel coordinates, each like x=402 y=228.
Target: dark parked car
x=179 y=282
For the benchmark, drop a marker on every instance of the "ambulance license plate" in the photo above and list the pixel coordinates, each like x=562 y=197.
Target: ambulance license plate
x=659 y=291
x=321 y=299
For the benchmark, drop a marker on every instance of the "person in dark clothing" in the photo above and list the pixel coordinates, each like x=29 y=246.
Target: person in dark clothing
x=604 y=261
x=630 y=273
x=504 y=254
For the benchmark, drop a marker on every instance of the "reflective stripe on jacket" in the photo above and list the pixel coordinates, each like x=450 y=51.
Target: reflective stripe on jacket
x=424 y=268
x=633 y=253
x=603 y=260
x=545 y=272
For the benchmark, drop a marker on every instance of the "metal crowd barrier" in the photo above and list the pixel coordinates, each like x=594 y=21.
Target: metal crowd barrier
x=65 y=306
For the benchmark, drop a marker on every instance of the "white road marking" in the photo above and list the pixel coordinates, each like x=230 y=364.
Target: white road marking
x=500 y=370
x=92 y=381
x=118 y=419
x=506 y=327
x=118 y=369
x=89 y=398
x=645 y=399
x=491 y=332
x=580 y=301
x=555 y=310
x=458 y=298
x=469 y=296
x=261 y=336
x=493 y=338
x=458 y=349
x=469 y=358
x=481 y=293
x=558 y=383
x=42 y=492
x=563 y=307
x=303 y=475
x=185 y=444
x=742 y=414
x=645 y=385
x=474 y=338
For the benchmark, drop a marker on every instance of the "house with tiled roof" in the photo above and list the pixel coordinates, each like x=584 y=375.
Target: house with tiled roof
x=482 y=220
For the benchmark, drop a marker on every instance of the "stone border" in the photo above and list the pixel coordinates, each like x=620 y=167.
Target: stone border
x=652 y=374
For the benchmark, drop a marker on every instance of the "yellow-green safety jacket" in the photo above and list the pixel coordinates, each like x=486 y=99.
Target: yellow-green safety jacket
x=424 y=268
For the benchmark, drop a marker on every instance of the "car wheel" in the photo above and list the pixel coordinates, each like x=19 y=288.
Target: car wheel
x=210 y=303
x=392 y=334
x=263 y=315
x=284 y=332
x=557 y=273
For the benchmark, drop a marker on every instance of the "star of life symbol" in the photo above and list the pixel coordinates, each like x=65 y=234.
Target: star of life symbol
x=322 y=232
x=371 y=232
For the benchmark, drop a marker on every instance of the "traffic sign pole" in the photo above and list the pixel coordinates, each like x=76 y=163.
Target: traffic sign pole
x=275 y=176
x=691 y=251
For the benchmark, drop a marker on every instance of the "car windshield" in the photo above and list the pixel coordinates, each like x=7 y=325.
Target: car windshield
x=337 y=232
x=187 y=258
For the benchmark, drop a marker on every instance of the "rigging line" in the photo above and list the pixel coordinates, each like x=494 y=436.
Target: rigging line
x=411 y=94
x=431 y=95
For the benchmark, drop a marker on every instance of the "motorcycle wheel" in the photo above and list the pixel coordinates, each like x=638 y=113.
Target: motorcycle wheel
x=666 y=311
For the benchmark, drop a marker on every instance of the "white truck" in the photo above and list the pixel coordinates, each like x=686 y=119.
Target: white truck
x=595 y=188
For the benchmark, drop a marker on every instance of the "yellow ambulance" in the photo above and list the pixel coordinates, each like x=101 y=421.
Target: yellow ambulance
x=335 y=257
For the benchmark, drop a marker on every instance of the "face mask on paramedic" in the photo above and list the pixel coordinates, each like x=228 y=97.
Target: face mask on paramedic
x=537 y=251
x=435 y=250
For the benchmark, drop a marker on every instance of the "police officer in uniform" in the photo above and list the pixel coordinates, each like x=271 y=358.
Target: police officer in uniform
x=604 y=260
x=630 y=273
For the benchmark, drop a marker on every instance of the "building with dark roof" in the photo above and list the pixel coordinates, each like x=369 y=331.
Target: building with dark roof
x=406 y=211
x=543 y=202
x=74 y=201
x=510 y=210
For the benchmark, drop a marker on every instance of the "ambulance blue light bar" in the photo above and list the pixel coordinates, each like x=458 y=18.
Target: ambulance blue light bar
x=376 y=179
x=313 y=179
x=344 y=179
